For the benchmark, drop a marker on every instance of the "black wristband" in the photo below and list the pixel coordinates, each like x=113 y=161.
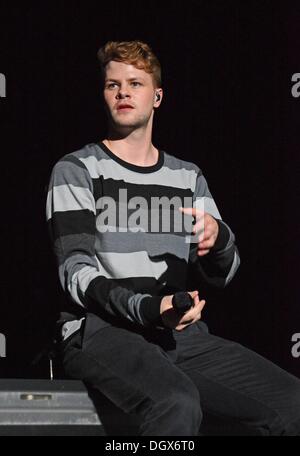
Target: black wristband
x=223 y=236
x=150 y=310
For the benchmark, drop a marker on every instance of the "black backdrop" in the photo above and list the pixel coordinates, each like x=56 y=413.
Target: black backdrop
x=227 y=68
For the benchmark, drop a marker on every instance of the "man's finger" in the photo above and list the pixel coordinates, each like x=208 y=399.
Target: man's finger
x=191 y=314
x=192 y=211
x=199 y=225
x=206 y=244
x=193 y=293
x=203 y=252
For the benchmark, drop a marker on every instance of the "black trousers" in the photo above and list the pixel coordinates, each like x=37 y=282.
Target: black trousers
x=170 y=379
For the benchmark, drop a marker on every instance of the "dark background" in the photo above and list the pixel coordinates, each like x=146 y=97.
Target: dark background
x=227 y=68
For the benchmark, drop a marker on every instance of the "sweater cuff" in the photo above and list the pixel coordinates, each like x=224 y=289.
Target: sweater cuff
x=223 y=237
x=150 y=310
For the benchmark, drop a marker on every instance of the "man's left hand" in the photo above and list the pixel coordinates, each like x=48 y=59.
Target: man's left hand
x=205 y=227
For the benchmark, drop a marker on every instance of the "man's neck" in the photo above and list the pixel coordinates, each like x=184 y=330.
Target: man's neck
x=136 y=150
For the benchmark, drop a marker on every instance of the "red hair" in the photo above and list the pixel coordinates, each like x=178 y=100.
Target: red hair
x=134 y=53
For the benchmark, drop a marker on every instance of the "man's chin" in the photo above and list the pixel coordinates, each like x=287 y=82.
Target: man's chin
x=127 y=126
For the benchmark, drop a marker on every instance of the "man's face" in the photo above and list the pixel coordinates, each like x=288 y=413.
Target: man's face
x=129 y=94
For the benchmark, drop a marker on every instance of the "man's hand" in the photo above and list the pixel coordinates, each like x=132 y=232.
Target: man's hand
x=172 y=319
x=206 y=228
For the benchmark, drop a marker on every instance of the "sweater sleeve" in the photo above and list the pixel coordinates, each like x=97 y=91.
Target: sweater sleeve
x=71 y=218
x=219 y=266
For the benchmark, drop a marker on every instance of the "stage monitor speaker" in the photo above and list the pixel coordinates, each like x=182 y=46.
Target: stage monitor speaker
x=47 y=407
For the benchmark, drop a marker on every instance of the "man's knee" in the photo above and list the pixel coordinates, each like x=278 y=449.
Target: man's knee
x=291 y=413
x=281 y=419
x=183 y=405
x=186 y=404
x=177 y=412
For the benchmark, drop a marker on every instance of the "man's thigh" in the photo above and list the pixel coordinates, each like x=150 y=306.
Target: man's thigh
x=235 y=382
x=126 y=367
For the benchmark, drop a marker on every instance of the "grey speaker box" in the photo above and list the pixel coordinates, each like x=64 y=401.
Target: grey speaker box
x=41 y=407
x=47 y=407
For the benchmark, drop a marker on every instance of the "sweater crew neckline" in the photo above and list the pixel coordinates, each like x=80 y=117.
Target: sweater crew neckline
x=131 y=166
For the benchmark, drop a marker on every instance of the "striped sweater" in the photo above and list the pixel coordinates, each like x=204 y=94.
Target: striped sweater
x=114 y=234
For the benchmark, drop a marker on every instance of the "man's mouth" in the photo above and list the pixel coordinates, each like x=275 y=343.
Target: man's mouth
x=124 y=106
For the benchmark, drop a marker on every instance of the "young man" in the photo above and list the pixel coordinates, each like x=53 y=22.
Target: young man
x=117 y=213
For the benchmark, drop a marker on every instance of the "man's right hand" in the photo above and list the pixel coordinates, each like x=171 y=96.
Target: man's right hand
x=172 y=319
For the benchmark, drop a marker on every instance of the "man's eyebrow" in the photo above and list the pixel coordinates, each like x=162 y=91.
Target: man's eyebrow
x=129 y=79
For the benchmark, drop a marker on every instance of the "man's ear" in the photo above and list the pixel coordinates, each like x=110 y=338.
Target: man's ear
x=158 y=97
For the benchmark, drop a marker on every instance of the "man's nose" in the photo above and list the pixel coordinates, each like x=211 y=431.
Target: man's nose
x=122 y=93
